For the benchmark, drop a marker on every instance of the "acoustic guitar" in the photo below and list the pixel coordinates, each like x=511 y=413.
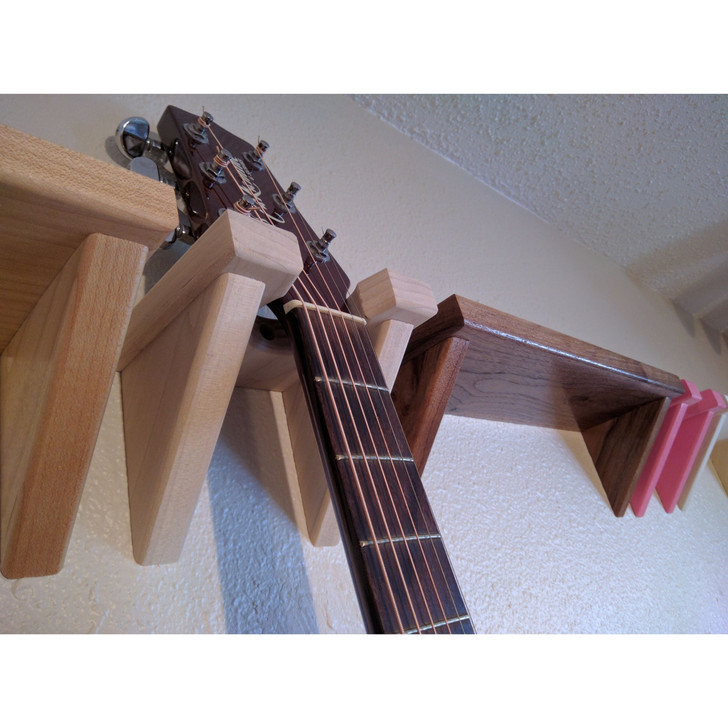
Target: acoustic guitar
x=401 y=571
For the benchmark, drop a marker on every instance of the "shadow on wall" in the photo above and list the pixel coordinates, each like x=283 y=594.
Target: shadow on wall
x=693 y=274
x=262 y=571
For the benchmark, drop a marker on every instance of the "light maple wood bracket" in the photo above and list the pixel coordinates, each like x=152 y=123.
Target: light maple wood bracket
x=475 y=361
x=184 y=349
x=74 y=235
x=393 y=305
x=719 y=453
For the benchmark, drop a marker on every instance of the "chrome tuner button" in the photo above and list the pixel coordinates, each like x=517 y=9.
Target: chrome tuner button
x=197 y=130
x=132 y=136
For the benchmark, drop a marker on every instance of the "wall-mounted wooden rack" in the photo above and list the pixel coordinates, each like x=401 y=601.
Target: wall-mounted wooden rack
x=475 y=361
x=74 y=236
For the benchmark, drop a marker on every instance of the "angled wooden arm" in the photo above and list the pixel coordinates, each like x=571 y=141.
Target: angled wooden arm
x=475 y=361
x=186 y=342
x=74 y=236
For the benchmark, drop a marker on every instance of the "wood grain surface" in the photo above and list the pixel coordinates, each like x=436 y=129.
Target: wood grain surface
x=511 y=370
x=234 y=243
x=620 y=447
x=51 y=199
x=423 y=390
x=517 y=371
x=174 y=395
x=54 y=383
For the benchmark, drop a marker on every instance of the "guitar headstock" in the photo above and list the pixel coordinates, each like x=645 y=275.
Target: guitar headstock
x=213 y=170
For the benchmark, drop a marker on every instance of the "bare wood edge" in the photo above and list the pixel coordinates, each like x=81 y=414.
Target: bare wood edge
x=175 y=394
x=51 y=200
x=619 y=449
x=100 y=197
x=395 y=304
x=234 y=243
x=422 y=391
x=52 y=407
x=719 y=454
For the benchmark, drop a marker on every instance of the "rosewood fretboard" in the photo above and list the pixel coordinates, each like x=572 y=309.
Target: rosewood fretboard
x=402 y=574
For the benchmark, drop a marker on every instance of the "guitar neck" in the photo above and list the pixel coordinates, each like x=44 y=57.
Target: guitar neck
x=401 y=570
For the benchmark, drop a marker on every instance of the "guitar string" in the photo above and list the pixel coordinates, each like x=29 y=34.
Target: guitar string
x=399 y=526
x=348 y=327
x=444 y=572
x=362 y=498
x=426 y=561
x=255 y=211
x=307 y=314
x=408 y=475
x=357 y=430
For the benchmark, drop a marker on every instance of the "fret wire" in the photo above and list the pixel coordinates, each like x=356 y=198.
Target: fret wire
x=419 y=505
x=354 y=471
x=388 y=491
x=353 y=384
x=307 y=314
x=441 y=623
x=384 y=458
x=344 y=287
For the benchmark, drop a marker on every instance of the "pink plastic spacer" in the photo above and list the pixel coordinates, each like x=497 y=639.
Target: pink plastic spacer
x=686 y=447
x=661 y=448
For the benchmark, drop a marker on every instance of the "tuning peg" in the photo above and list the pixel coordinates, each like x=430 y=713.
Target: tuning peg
x=245 y=203
x=134 y=140
x=215 y=170
x=197 y=130
x=319 y=248
x=254 y=158
x=132 y=136
x=284 y=202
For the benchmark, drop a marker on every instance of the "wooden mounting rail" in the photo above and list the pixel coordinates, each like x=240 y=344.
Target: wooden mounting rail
x=74 y=235
x=475 y=361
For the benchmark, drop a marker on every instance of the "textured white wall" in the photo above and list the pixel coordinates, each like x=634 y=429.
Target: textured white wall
x=530 y=534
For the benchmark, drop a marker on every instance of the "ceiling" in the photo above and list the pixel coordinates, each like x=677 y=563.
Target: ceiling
x=642 y=179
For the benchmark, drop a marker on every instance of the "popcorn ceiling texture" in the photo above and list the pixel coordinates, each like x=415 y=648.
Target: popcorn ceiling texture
x=642 y=179
x=532 y=539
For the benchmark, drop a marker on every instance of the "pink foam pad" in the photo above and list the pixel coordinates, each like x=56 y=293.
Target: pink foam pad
x=686 y=447
x=655 y=462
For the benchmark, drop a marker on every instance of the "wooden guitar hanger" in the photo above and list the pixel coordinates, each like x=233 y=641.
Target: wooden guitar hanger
x=73 y=252
x=184 y=353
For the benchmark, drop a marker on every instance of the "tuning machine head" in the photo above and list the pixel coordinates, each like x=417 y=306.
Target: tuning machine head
x=284 y=202
x=254 y=159
x=320 y=248
x=132 y=136
x=197 y=130
x=135 y=142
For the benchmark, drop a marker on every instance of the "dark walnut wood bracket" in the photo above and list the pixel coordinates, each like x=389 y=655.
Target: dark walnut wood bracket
x=475 y=361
